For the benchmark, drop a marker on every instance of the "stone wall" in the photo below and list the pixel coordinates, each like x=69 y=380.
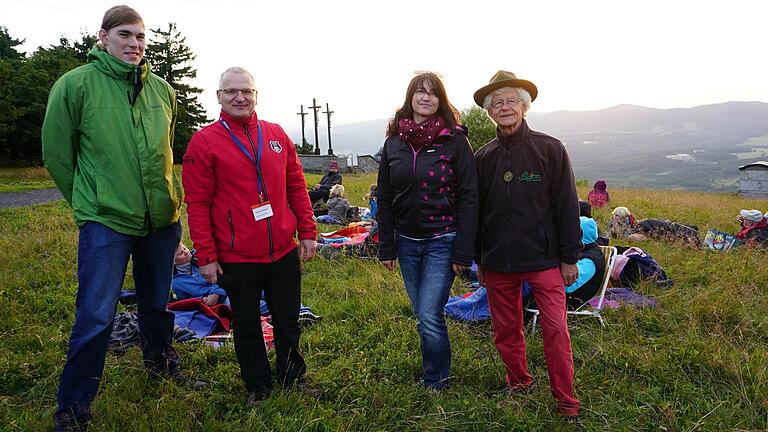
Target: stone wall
x=318 y=164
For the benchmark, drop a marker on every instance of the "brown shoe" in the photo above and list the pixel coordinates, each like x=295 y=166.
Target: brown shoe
x=256 y=398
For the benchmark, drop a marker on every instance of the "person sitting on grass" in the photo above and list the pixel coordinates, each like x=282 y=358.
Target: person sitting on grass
x=338 y=205
x=189 y=283
x=598 y=197
x=321 y=191
x=591 y=266
x=372 y=203
x=754 y=228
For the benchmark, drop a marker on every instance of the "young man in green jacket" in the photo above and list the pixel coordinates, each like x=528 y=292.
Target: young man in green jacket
x=107 y=143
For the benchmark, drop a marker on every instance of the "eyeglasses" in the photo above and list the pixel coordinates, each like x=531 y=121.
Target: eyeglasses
x=501 y=102
x=230 y=92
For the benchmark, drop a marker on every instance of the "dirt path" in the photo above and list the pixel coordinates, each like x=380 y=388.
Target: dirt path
x=21 y=199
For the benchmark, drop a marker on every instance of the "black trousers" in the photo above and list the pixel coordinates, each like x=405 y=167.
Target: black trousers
x=316 y=194
x=281 y=283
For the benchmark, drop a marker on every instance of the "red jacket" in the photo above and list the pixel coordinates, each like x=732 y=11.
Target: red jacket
x=220 y=184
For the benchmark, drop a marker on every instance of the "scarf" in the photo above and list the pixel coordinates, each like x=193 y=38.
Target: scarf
x=420 y=134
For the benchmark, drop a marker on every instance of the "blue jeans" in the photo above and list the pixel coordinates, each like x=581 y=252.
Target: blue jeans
x=102 y=260
x=428 y=276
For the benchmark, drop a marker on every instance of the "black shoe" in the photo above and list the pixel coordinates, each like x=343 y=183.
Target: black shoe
x=308 y=390
x=256 y=398
x=68 y=423
x=185 y=381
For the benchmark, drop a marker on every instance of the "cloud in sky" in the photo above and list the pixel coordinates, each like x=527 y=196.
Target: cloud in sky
x=359 y=55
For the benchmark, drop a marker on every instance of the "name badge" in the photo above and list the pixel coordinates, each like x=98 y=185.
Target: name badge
x=262 y=210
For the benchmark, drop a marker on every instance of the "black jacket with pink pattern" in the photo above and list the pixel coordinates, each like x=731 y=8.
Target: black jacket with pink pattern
x=428 y=192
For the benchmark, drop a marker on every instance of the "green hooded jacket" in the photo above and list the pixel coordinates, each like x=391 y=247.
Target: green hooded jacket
x=109 y=149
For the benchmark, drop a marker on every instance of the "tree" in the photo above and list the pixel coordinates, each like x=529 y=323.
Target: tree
x=171 y=59
x=7 y=44
x=305 y=148
x=23 y=98
x=481 y=127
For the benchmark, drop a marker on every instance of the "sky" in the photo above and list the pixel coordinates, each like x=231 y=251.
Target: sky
x=358 y=56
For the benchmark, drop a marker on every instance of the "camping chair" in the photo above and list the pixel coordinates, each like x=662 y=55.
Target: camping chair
x=609 y=254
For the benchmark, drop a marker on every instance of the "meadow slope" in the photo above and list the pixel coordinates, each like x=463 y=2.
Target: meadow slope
x=698 y=362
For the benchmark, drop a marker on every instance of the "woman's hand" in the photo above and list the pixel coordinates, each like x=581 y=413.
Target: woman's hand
x=458 y=269
x=389 y=264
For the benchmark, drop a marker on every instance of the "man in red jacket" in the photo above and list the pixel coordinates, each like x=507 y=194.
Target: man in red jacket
x=247 y=199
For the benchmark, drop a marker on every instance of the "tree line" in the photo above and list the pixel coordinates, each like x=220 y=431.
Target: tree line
x=26 y=80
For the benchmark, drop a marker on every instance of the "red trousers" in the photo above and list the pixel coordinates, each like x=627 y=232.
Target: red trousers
x=505 y=301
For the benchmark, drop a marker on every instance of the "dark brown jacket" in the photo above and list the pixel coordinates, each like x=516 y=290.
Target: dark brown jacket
x=529 y=207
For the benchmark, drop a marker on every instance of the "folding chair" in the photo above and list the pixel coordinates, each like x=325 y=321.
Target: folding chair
x=609 y=255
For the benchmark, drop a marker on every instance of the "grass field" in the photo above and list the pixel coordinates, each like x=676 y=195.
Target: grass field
x=21 y=179
x=697 y=363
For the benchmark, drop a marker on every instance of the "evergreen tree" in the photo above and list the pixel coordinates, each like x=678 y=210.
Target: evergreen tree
x=7 y=46
x=171 y=59
x=24 y=88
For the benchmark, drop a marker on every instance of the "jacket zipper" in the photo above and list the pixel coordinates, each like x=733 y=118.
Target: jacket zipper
x=260 y=180
x=416 y=182
x=231 y=229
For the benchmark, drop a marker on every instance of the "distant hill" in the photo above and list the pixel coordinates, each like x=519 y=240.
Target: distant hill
x=697 y=148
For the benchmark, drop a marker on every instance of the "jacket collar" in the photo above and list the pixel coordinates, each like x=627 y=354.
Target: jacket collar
x=517 y=138
x=116 y=68
x=239 y=121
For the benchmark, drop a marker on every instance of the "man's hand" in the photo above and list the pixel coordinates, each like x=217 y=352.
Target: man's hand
x=211 y=272
x=317 y=186
x=211 y=300
x=389 y=264
x=307 y=249
x=570 y=273
x=480 y=276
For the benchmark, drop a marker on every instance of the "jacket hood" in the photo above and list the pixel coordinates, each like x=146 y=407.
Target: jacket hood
x=115 y=67
x=588 y=230
x=600 y=185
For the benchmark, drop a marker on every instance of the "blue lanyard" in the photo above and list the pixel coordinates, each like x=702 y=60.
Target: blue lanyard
x=247 y=153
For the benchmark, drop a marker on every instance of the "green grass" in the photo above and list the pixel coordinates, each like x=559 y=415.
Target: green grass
x=23 y=179
x=699 y=362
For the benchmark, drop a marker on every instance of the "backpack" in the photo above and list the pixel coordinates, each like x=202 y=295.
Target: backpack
x=642 y=266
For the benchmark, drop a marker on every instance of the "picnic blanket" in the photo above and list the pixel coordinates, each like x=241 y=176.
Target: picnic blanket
x=197 y=316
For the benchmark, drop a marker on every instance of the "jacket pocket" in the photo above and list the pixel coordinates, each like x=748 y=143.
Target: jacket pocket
x=231 y=230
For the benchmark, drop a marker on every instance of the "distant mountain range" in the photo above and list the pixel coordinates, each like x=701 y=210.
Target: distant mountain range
x=697 y=148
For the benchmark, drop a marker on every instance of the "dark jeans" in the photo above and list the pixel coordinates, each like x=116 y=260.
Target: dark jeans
x=428 y=276
x=281 y=283
x=102 y=260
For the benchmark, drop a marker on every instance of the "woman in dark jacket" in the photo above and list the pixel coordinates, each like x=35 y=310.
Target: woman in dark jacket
x=427 y=197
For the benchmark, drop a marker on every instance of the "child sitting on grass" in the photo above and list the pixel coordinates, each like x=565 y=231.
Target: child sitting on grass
x=189 y=283
x=372 y=203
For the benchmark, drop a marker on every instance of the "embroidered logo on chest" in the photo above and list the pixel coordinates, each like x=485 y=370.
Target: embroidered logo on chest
x=275 y=146
x=530 y=177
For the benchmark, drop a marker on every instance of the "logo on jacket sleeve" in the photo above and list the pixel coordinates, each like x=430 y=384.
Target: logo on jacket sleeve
x=275 y=146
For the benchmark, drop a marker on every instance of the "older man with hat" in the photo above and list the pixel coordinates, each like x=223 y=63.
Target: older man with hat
x=528 y=231
x=323 y=189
